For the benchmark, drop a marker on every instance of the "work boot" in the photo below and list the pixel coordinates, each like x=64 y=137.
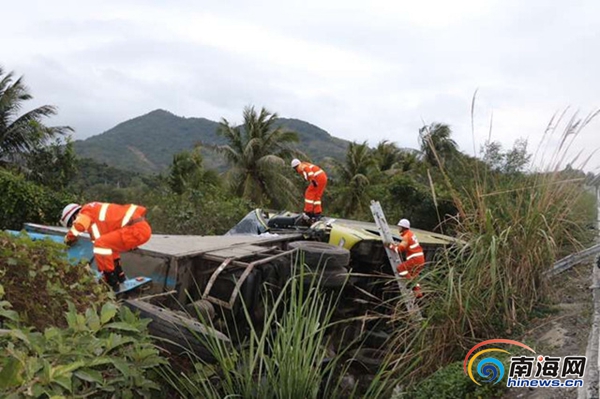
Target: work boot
x=112 y=279
x=305 y=219
x=316 y=217
x=119 y=271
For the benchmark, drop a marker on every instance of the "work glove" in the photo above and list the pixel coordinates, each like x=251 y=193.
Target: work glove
x=314 y=183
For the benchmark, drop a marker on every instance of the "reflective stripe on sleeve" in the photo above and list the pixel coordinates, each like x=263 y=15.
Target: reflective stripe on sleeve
x=319 y=172
x=415 y=255
x=128 y=215
x=103 y=251
x=95 y=231
x=305 y=175
x=74 y=231
x=103 y=209
x=414 y=246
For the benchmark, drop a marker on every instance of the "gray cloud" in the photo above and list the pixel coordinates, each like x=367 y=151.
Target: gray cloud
x=362 y=72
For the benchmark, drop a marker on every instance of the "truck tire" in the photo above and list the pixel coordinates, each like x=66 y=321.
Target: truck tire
x=369 y=359
x=321 y=255
x=177 y=333
x=202 y=310
x=376 y=339
x=331 y=277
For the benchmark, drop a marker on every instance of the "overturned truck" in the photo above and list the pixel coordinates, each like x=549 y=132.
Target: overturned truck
x=201 y=278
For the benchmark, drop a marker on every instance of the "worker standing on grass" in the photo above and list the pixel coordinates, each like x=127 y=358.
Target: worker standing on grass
x=317 y=179
x=113 y=228
x=415 y=260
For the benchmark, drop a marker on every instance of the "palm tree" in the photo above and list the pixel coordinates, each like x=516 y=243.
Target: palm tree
x=387 y=156
x=187 y=172
x=436 y=144
x=355 y=173
x=255 y=152
x=410 y=160
x=20 y=135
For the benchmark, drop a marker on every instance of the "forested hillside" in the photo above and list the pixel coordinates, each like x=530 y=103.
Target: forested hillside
x=147 y=143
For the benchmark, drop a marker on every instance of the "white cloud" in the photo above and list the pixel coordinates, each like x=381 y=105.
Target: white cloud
x=361 y=70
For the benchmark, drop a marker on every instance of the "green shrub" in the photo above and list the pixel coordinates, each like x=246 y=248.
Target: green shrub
x=202 y=212
x=102 y=354
x=39 y=281
x=87 y=353
x=23 y=201
x=450 y=382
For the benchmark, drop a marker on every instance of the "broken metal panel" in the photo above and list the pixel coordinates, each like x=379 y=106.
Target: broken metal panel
x=238 y=285
x=240 y=252
x=54 y=230
x=136 y=263
x=184 y=246
x=185 y=279
x=172 y=245
x=213 y=278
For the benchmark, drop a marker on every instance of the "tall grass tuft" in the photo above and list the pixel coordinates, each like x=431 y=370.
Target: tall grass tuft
x=290 y=355
x=514 y=226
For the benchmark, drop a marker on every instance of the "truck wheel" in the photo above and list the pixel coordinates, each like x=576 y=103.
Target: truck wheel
x=178 y=334
x=202 y=309
x=322 y=255
x=370 y=359
x=332 y=277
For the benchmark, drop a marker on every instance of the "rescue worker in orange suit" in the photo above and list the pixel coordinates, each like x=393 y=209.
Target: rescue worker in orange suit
x=317 y=179
x=113 y=228
x=415 y=260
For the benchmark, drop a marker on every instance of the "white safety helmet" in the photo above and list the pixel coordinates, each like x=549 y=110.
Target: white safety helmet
x=295 y=162
x=404 y=223
x=68 y=213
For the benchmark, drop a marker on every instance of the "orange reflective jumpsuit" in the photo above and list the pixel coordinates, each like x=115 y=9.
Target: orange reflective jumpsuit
x=113 y=228
x=415 y=259
x=317 y=179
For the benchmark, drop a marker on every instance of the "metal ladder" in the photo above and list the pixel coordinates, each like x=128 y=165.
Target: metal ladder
x=394 y=257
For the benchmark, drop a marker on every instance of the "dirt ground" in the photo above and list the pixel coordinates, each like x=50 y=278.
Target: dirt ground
x=564 y=331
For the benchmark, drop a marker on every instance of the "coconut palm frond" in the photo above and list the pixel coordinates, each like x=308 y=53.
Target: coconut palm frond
x=255 y=150
x=21 y=134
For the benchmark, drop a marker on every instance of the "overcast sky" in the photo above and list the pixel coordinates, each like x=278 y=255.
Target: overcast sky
x=368 y=70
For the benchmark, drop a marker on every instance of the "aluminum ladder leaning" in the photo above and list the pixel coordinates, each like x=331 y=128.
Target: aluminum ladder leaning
x=394 y=257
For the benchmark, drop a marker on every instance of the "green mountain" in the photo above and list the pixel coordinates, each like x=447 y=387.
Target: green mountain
x=147 y=143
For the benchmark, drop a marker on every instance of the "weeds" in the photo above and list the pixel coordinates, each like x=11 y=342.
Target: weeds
x=292 y=354
x=54 y=341
x=514 y=226
x=38 y=281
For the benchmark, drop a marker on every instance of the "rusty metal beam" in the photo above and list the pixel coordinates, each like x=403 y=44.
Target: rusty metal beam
x=248 y=269
x=251 y=266
x=214 y=277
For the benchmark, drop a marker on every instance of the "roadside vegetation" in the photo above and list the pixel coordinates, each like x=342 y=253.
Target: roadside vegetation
x=285 y=357
x=63 y=334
